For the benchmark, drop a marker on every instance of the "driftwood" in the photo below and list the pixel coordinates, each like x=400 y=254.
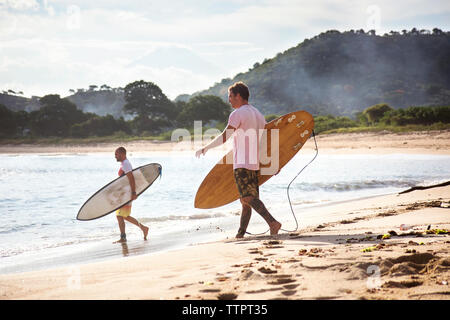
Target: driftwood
x=426 y=187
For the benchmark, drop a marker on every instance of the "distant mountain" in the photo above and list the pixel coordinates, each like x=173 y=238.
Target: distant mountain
x=333 y=73
x=344 y=73
x=15 y=102
x=101 y=102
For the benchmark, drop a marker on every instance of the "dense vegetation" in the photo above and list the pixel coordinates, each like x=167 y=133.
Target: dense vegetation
x=383 y=117
x=151 y=113
x=344 y=73
x=335 y=76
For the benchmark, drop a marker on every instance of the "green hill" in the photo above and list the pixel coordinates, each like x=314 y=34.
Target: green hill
x=344 y=73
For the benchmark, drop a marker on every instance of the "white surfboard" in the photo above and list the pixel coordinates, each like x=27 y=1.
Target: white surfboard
x=117 y=193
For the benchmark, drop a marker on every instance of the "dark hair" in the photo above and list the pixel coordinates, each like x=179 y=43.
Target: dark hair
x=241 y=88
x=122 y=150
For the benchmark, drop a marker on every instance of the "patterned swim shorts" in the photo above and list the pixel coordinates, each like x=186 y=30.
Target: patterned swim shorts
x=125 y=211
x=247 y=182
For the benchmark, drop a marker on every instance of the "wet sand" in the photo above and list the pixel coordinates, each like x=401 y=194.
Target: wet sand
x=360 y=254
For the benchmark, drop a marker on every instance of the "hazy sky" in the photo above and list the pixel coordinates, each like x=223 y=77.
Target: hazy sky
x=182 y=46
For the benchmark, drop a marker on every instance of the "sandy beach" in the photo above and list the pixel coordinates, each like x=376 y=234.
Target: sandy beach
x=431 y=142
x=359 y=252
x=361 y=255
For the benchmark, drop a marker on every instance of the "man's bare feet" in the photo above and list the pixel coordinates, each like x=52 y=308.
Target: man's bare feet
x=240 y=234
x=145 y=230
x=123 y=238
x=274 y=227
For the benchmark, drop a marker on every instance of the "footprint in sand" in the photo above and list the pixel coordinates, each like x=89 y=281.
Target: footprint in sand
x=261 y=259
x=290 y=286
x=254 y=251
x=273 y=244
x=227 y=296
x=212 y=290
x=282 y=279
x=288 y=292
x=267 y=270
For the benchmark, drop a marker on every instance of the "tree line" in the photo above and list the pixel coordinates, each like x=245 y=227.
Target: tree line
x=384 y=116
x=151 y=114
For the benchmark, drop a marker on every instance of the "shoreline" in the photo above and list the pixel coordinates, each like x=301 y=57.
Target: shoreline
x=340 y=258
x=107 y=250
x=431 y=142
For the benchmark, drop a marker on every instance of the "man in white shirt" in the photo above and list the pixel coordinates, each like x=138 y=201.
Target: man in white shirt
x=124 y=213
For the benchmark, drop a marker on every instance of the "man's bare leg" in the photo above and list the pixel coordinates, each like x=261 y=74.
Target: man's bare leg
x=123 y=237
x=140 y=225
x=245 y=218
x=259 y=207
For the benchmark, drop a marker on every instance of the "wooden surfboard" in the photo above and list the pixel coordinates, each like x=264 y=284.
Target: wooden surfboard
x=292 y=130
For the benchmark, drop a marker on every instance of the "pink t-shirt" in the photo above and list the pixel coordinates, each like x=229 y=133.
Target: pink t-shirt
x=249 y=123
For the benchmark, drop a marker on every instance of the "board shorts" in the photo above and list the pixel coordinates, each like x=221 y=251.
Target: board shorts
x=247 y=182
x=125 y=211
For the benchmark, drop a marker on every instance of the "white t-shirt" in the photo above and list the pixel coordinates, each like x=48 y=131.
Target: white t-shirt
x=125 y=167
x=249 y=123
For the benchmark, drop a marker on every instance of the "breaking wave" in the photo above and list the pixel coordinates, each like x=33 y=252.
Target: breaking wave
x=355 y=185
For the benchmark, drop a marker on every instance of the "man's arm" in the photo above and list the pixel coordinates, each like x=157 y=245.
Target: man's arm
x=132 y=185
x=218 y=141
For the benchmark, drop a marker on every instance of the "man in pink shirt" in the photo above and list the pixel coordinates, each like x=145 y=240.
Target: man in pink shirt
x=246 y=123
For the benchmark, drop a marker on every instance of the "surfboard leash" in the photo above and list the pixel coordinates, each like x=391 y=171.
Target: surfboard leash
x=287 y=191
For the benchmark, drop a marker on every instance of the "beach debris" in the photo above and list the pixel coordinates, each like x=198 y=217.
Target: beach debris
x=437 y=231
x=405 y=227
x=384 y=236
x=369 y=249
x=373 y=248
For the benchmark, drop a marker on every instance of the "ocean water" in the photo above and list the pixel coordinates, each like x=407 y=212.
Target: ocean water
x=40 y=196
